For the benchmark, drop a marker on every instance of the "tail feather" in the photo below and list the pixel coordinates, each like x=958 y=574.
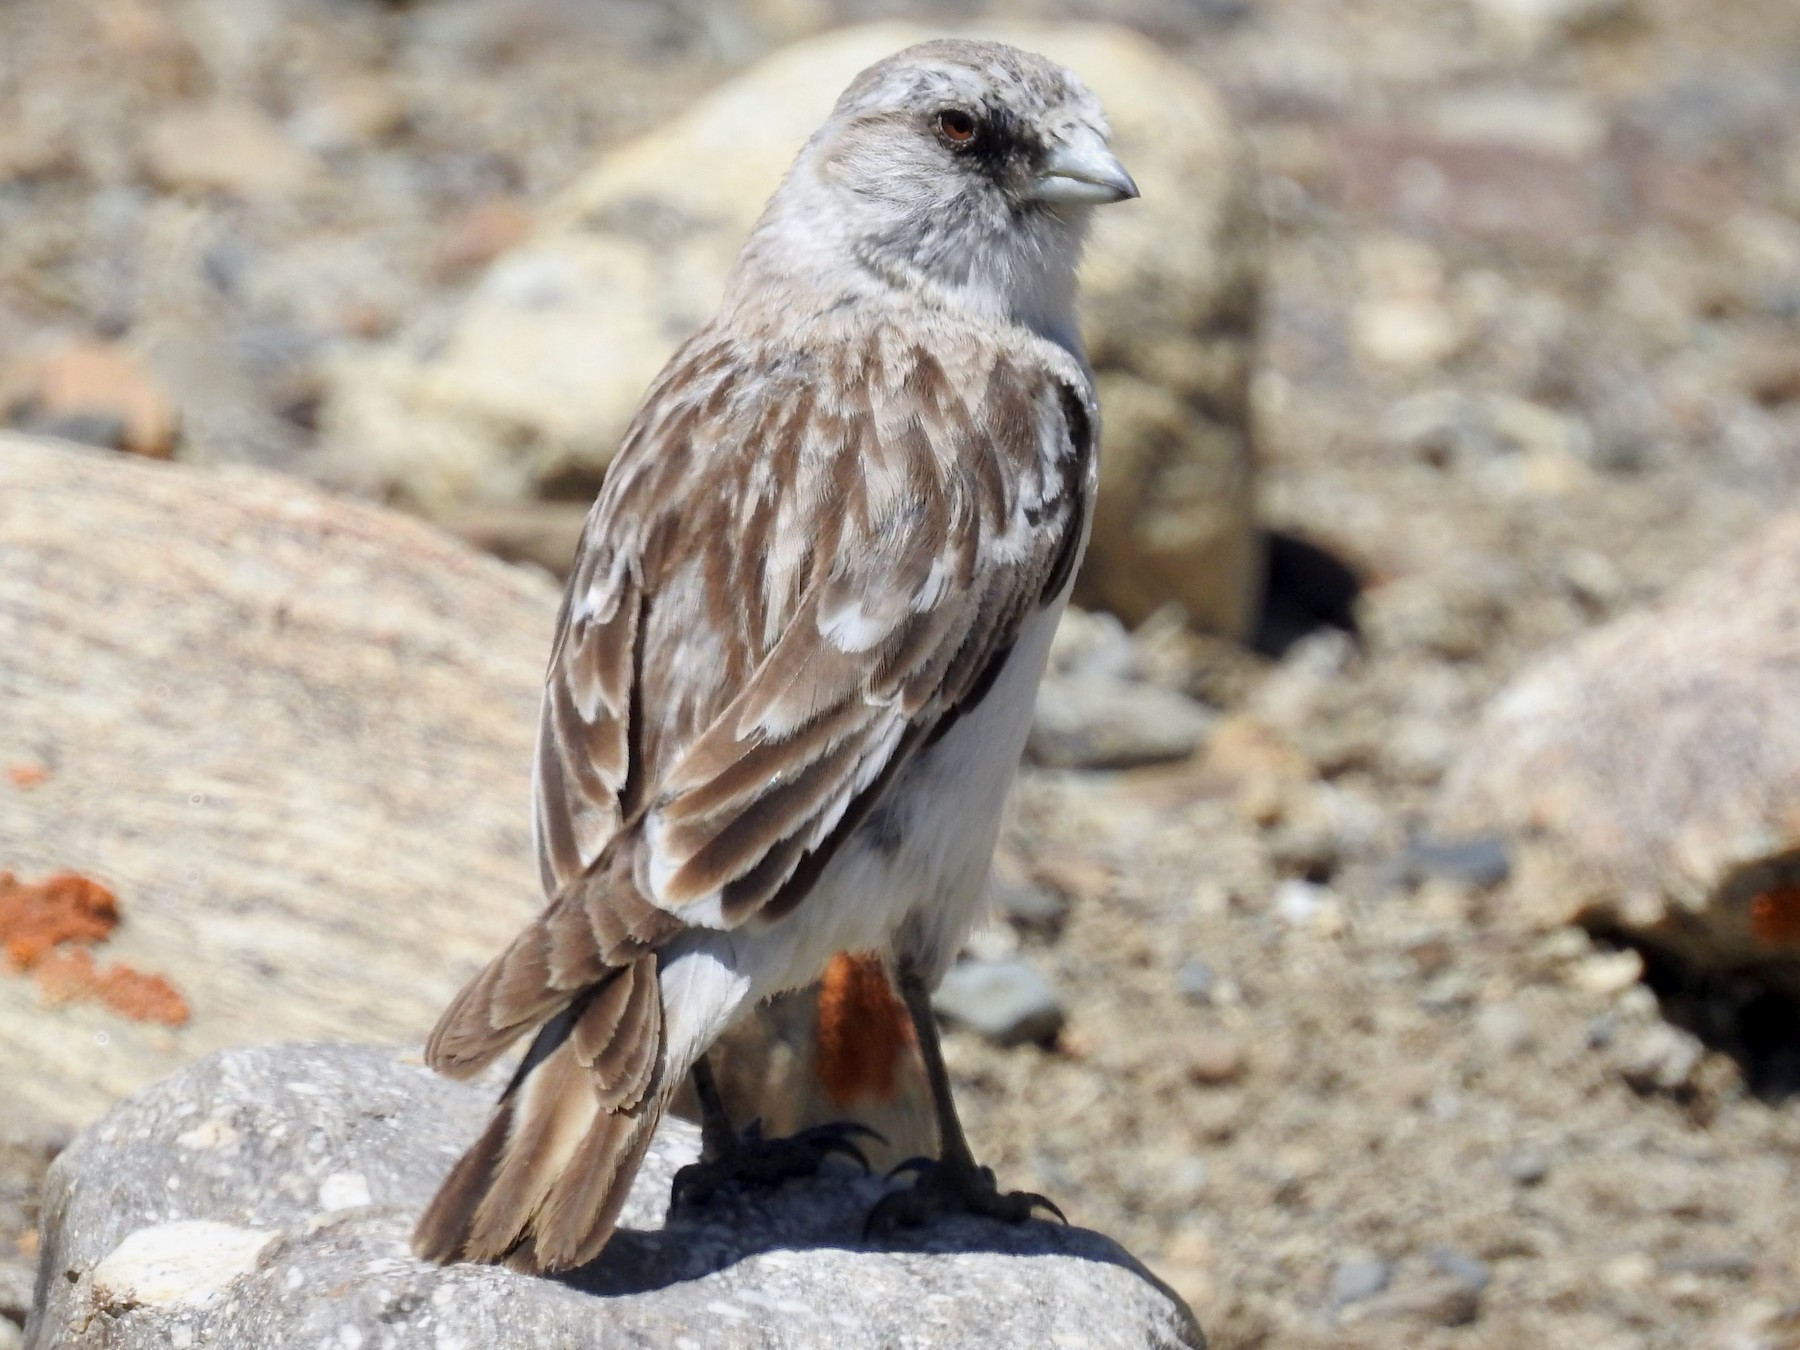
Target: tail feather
x=597 y=925
x=543 y=1186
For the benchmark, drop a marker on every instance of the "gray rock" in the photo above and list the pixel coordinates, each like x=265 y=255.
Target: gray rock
x=1480 y=860
x=1649 y=773
x=264 y=1198
x=1527 y=1167
x=1103 y=722
x=1197 y=981
x=1007 y=1002
x=1028 y=906
x=1356 y=1278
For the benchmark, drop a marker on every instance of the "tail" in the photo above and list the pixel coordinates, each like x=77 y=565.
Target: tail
x=542 y=1188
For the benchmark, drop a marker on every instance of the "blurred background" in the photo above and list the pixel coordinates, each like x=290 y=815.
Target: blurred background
x=1399 y=919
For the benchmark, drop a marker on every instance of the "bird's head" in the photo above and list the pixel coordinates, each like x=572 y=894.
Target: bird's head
x=959 y=169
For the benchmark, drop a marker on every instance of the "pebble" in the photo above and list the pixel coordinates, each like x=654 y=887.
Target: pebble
x=1526 y=1167
x=1099 y=721
x=1607 y=972
x=1214 y=1058
x=1027 y=906
x=1300 y=903
x=1197 y=981
x=225 y=147
x=1462 y=1267
x=1359 y=1277
x=1482 y=860
x=1503 y=1029
x=1005 y=1002
x=1660 y=1058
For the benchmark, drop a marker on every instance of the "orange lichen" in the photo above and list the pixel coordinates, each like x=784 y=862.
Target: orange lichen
x=863 y=1031
x=27 y=775
x=71 y=976
x=1775 y=916
x=36 y=917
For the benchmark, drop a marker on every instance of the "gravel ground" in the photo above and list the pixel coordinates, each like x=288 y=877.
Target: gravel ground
x=1530 y=358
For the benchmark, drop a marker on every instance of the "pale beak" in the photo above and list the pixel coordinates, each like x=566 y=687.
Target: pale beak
x=1081 y=170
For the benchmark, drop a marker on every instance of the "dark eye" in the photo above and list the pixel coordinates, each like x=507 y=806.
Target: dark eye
x=956 y=126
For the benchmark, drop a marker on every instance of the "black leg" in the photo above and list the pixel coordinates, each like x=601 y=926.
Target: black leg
x=955 y=1181
x=953 y=1147
x=748 y=1159
x=717 y=1138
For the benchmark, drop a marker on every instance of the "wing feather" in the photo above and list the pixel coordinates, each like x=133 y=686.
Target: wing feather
x=760 y=635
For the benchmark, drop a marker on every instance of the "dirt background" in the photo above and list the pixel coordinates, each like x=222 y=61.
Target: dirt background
x=1530 y=358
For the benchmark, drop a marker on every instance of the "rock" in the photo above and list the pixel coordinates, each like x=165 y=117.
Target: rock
x=1197 y=981
x=1482 y=860
x=1103 y=722
x=95 y=392
x=1660 y=1058
x=1006 y=1002
x=224 y=147
x=1527 y=1167
x=292 y=736
x=540 y=371
x=208 y=1210
x=1356 y=1278
x=1214 y=1058
x=1649 y=773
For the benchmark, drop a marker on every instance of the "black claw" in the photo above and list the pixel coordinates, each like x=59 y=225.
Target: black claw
x=939 y=1187
x=752 y=1160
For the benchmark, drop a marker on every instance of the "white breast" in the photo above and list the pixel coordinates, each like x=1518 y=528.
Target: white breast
x=914 y=876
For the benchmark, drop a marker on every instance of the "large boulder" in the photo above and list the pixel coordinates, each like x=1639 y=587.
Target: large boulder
x=1651 y=771
x=290 y=734
x=530 y=386
x=265 y=1197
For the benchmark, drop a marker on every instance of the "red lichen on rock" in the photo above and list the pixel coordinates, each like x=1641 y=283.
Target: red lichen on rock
x=36 y=916
x=1775 y=916
x=71 y=976
x=26 y=775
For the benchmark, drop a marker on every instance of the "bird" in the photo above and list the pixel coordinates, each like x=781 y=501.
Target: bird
x=799 y=648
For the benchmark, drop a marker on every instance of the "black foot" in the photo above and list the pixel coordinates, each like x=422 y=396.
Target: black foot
x=752 y=1160
x=947 y=1187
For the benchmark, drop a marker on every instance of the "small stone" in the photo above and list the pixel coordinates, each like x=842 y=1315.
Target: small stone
x=12 y=1337
x=1462 y=1267
x=225 y=147
x=478 y=234
x=97 y=393
x=1197 y=981
x=1302 y=903
x=1503 y=1029
x=1607 y=972
x=1096 y=721
x=1028 y=906
x=1356 y=1278
x=1214 y=1058
x=1482 y=860
x=187 y=1261
x=1005 y=1002
x=1527 y=1167
x=1659 y=1058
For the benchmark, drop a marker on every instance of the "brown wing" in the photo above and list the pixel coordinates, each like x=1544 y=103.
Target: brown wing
x=796 y=574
